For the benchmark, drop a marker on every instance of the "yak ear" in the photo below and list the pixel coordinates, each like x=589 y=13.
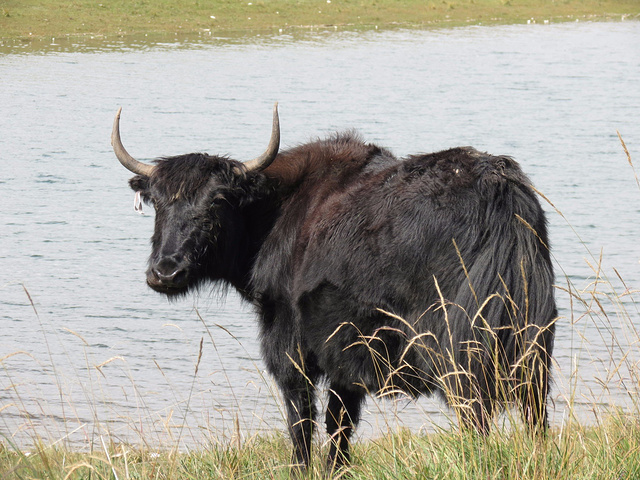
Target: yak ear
x=139 y=183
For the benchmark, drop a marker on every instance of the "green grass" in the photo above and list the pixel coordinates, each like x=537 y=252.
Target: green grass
x=59 y=18
x=607 y=451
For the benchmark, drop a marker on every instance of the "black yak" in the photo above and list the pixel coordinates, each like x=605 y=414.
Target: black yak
x=371 y=273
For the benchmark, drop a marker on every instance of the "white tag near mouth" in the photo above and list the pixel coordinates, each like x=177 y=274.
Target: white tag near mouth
x=137 y=203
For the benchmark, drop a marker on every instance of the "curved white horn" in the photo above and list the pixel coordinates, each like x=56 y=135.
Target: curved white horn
x=264 y=160
x=127 y=160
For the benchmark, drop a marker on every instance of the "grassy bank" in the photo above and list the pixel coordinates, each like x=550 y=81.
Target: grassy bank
x=59 y=18
x=608 y=451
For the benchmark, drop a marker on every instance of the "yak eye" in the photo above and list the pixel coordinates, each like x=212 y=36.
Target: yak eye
x=218 y=198
x=206 y=225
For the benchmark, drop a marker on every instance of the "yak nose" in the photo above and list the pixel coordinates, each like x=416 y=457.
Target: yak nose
x=167 y=273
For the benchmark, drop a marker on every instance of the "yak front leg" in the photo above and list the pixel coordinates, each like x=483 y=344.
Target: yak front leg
x=343 y=414
x=299 y=398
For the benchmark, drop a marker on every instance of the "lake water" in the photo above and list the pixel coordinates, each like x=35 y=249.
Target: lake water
x=99 y=354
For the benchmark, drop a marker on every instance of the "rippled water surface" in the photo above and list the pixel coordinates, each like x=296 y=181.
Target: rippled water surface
x=87 y=349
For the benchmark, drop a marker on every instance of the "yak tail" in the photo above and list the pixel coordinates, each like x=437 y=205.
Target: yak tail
x=505 y=313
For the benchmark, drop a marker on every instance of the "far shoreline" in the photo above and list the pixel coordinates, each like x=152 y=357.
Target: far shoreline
x=92 y=42
x=40 y=25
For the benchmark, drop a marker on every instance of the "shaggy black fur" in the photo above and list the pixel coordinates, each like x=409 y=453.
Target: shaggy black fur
x=374 y=274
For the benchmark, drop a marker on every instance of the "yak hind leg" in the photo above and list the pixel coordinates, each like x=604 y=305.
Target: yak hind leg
x=343 y=414
x=474 y=410
x=471 y=400
x=533 y=378
x=477 y=415
x=533 y=396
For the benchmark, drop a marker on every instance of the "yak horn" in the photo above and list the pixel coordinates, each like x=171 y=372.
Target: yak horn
x=264 y=160
x=127 y=160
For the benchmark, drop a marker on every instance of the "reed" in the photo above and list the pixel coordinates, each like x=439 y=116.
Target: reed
x=607 y=447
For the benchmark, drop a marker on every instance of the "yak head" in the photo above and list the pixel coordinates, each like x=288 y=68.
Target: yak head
x=200 y=233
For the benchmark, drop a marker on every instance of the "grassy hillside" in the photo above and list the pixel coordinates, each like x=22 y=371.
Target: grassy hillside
x=58 y=18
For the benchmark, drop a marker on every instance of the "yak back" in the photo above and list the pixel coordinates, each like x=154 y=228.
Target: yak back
x=352 y=212
x=307 y=176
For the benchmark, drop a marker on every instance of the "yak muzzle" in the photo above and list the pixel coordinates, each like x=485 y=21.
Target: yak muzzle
x=167 y=276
